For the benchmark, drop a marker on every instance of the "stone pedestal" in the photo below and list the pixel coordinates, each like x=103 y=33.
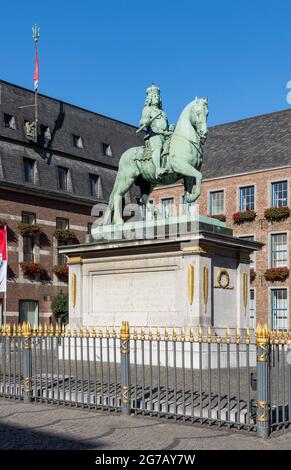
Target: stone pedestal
x=183 y=278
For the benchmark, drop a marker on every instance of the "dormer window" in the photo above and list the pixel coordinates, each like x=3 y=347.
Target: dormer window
x=78 y=141
x=45 y=133
x=9 y=121
x=107 y=150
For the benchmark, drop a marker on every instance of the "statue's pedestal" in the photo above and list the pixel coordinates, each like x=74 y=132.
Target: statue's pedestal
x=180 y=278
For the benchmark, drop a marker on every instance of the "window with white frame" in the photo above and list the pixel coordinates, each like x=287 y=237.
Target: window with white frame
x=279 y=309
x=167 y=207
x=217 y=202
x=280 y=194
x=247 y=198
x=252 y=310
x=250 y=238
x=278 y=250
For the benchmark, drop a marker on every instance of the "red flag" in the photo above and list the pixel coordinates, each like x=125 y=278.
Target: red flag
x=35 y=76
x=3 y=260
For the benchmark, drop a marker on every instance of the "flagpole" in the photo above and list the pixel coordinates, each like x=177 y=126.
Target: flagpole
x=35 y=35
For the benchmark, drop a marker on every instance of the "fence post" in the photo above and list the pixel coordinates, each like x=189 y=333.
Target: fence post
x=125 y=368
x=27 y=362
x=263 y=381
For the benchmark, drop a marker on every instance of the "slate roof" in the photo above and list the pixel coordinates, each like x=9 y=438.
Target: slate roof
x=64 y=121
x=257 y=143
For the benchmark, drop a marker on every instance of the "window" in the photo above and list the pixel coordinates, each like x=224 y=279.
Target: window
x=280 y=194
x=27 y=240
x=28 y=218
x=106 y=149
x=28 y=254
x=250 y=238
x=28 y=170
x=247 y=198
x=9 y=121
x=78 y=141
x=252 y=310
x=217 y=202
x=93 y=179
x=279 y=250
x=279 y=306
x=45 y=133
x=167 y=206
x=63 y=178
x=62 y=224
x=29 y=312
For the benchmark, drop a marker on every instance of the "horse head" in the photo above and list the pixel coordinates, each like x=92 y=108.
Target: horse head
x=198 y=117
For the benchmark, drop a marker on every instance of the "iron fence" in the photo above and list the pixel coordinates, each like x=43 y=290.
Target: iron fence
x=235 y=380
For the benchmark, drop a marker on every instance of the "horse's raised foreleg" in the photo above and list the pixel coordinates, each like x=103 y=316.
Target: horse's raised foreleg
x=122 y=184
x=189 y=172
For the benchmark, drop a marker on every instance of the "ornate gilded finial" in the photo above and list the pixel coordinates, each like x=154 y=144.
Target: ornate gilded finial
x=135 y=336
x=51 y=330
x=81 y=331
x=237 y=336
x=282 y=337
x=63 y=330
x=14 y=330
x=158 y=334
x=277 y=336
x=183 y=335
x=8 y=329
x=107 y=334
x=248 y=336
x=150 y=334
x=191 y=336
x=114 y=335
x=69 y=331
x=228 y=336
x=100 y=334
x=87 y=333
x=200 y=335
x=218 y=339
x=75 y=331
x=209 y=335
x=40 y=330
x=166 y=335
x=124 y=331
x=94 y=333
x=45 y=330
x=19 y=330
x=174 y=336
x=142 y=335
x=34 y=332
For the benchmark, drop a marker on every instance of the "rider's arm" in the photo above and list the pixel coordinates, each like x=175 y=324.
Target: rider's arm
x=145 y=118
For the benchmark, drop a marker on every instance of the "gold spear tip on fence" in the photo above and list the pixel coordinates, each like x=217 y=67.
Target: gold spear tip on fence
x=158 y=334
x=174 y=336
x=183 y=335
x=63 y=330
x=8 y=329
x=248 y=336
x=237 y=336
x=150 y=334
x=209 y=334
x=200 y=334
x=124 y=331
x=228 y=335
x=14 y=330
x=69 y=331
x=135 y=336
x=100 y=333
x=81 y=331
x=87 y=332
x=57 y=332
x=51 y=330
x=166 y=335
x=191 y=335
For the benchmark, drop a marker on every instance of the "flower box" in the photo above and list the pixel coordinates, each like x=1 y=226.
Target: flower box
x=276 y=274
x=31 y=268
x=30 y=230
x=3 y=224
x=277 y=213
x=62 y=271
x=220 y=217
x=244 y=216
x=64 y=235
x=253 y=275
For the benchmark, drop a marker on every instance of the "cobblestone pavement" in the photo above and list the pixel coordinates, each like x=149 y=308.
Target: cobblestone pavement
x=42 y=426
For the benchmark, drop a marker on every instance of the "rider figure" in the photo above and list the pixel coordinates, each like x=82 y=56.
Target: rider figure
x=156 y=121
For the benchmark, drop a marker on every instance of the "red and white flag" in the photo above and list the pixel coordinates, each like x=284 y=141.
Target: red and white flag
x=3 y=260
x=35 y=76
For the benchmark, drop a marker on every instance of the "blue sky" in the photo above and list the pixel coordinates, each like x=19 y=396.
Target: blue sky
x=101 y=55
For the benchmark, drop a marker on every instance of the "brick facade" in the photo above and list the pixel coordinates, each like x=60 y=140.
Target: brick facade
x=260 y=228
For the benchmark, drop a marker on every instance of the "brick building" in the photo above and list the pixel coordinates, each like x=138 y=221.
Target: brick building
x=247 y=167
x=53 y=183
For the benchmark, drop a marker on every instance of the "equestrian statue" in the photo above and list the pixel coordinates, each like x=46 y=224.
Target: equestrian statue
x=170 y=153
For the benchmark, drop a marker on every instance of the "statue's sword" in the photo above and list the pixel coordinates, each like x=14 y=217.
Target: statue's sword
x=146 y=125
